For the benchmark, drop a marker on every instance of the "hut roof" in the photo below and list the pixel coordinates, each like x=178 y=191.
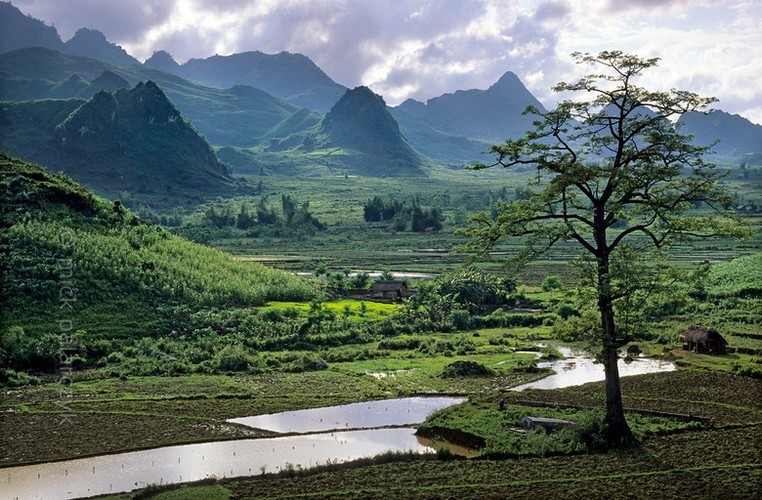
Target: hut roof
x=702 y=334
x=388 y=285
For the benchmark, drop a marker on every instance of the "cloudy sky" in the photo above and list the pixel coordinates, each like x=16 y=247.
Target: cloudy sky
x=424 y=48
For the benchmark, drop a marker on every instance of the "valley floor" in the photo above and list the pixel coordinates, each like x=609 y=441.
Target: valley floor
x=723 y=460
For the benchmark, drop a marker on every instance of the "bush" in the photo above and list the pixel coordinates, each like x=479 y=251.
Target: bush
x=465 y=369
x=552 y=282
x=233 y=358
x=566 y=310
x=11 y=378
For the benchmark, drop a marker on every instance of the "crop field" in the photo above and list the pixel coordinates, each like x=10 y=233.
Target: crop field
x=723 y=460
x=351 y=242
x=661 y=469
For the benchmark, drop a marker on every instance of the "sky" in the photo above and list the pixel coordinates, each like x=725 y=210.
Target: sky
x=424 y=48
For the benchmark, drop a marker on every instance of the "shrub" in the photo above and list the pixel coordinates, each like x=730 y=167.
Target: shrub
x=233 y=358
x=465 y=369
x=552 y=282
x=566 y=310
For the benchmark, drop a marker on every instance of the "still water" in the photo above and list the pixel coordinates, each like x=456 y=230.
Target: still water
x=368 y=415
x=578 y=368
x=172 y=464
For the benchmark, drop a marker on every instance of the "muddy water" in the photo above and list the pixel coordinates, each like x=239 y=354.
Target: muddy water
x=174 y=464
x=578 y=369
x=368 y=415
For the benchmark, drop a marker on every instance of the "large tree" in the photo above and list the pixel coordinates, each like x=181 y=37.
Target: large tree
x=614 y=176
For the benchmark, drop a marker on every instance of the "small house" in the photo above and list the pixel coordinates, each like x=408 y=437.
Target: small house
x=704 y=340
x=389 y=290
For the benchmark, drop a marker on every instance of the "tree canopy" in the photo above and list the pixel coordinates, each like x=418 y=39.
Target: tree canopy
x=616 y=177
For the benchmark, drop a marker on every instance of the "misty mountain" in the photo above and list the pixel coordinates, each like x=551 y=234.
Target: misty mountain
x=18 y=31
x=107 y=81
x=491 y=115
x=443 y=148
x=93 y=44
x=292 y=77
x=360 y=122
x=131 y=140
x=163 y=61
x=241 y=116
x=736 y=135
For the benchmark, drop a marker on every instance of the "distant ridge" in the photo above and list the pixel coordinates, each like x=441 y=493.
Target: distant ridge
x=18 y=31
x=131 y=140
x=93 y=43
x=293 y=77
x=360 y=121
x=735 y=134
x=163 y=61
x=491 y=115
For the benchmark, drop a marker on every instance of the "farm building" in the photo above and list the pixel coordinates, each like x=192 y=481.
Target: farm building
x=704 y=340
x=389 y=289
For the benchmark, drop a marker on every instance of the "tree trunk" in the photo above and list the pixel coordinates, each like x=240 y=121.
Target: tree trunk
x=618 y=433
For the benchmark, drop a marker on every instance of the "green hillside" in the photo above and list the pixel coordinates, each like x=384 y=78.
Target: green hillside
x=70 y=256
x=360 y=125
x=134 y=140
x=740 y=277
x=241 y=116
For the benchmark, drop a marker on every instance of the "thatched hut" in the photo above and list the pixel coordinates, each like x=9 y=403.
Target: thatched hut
x=389 y=289
x=704 y=340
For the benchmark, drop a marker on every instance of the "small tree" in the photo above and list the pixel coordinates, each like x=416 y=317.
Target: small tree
x=614 y=176
x=244 y=220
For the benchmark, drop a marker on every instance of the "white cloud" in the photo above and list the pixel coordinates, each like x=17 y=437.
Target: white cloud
x=423 y=48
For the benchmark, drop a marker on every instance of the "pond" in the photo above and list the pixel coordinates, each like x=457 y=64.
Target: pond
x=367 y=415
x=579 y=368
x=172 y=464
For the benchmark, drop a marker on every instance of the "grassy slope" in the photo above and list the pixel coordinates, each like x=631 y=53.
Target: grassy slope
x=48 y=218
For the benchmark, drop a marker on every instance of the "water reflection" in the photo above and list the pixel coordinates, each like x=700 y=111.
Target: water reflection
x=579 y=368
x=174 y=464
x=367 y=415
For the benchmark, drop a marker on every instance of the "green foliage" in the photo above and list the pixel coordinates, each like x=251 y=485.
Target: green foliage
x=234 y=358
x=61 y=243
x=740 y=277
x=231 y=218
x=465 y=369
x=422 y=219
x=566 y=310
x=379 y=208
x=468 y=290
x=552 y=282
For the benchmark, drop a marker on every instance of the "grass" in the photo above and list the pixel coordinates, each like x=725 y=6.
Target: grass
x=353 y=309
x=694 y=465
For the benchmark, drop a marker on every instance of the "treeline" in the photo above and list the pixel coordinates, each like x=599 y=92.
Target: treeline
x=403 y=215
x=292 y=213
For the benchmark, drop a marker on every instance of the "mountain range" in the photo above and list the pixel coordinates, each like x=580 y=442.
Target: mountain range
x=267 y=110
x=132 y=140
